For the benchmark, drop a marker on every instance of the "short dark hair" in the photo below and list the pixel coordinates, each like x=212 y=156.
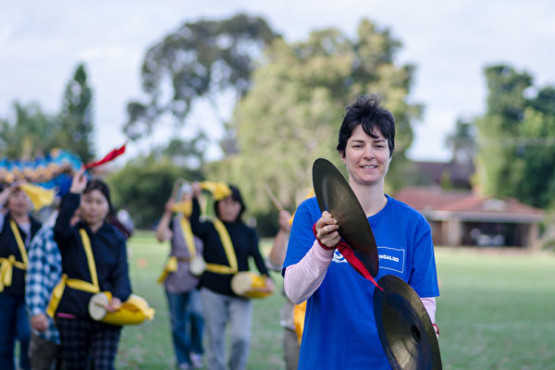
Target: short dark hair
x=236 y=196
x=367 y=112
x=98 y=184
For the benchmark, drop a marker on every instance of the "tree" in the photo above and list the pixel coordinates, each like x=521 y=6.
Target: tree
x=76 y=129
x=462 y=141
x=516 y=138
x=206 y=59
x=293 y=111
x=31 y=134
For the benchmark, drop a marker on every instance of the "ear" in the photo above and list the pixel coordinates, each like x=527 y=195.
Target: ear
x=342 y=154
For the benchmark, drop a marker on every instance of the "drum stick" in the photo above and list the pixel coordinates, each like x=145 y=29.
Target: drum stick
x=273 y=198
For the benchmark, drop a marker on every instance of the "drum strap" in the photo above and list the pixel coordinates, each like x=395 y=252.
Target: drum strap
x=77 y=284
x=229 y=251
x=7 y=264
x=188 y=236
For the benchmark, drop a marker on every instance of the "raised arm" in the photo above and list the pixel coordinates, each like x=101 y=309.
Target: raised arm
x=279 y=246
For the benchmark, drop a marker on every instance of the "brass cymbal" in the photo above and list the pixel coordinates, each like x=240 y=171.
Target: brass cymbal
x=334 y=194
x=406 y=332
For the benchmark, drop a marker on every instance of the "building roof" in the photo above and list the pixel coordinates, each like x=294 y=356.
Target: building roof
x=437 y=204
x=458 y=172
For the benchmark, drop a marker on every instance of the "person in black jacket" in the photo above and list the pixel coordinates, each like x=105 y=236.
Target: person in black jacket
x=220 y=304
x=17 y=228
x=94 y=253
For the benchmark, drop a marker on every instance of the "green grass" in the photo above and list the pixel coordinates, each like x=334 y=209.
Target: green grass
x=496 y=311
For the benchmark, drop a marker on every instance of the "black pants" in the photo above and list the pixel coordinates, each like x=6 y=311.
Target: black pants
x=83 y=339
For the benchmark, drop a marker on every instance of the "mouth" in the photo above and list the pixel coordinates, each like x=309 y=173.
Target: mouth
x=369 y=167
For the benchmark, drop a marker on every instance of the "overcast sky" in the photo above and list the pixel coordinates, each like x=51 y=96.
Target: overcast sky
x=450 y=42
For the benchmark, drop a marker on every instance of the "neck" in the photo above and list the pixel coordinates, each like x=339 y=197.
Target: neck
x=371 y=198
x=94 y=227
x=20 y=218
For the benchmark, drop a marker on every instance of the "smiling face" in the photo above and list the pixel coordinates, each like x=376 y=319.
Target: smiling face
x=367 y=158
x=94 y=208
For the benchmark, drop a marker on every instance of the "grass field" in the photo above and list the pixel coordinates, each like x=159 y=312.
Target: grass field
x=496 y=311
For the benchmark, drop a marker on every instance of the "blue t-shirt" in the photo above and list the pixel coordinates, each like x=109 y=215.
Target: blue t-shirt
x=340 y=330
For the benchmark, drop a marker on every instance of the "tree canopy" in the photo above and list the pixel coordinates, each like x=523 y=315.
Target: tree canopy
x=34 y=132
x=516 y=138
x=293 y=111
x=76 y=120
x=202 y=59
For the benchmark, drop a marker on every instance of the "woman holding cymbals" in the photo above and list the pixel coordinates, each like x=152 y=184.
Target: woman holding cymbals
x=340 y=330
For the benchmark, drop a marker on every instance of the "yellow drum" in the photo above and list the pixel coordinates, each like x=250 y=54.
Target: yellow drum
x=133 y=311
x=248 y=284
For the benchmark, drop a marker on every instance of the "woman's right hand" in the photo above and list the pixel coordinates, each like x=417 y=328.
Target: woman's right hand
x=79 y=182
x=327 y=230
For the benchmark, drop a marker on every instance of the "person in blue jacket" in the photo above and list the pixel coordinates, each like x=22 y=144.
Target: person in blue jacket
x=93 y=253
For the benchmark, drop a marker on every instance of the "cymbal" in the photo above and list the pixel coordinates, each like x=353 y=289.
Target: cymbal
x=406 y=332
x=334 y=194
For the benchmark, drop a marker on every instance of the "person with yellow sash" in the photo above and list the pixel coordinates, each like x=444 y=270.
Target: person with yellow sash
x=179 y=282
x=228 y=245
x=17 y=227
x=94 y=259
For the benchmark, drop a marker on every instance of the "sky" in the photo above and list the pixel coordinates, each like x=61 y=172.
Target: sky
x=449 y=42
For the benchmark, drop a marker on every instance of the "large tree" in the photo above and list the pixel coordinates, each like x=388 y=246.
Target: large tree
x=76 y=119
x=292 y=114
x=516 y=138
x=210 y=60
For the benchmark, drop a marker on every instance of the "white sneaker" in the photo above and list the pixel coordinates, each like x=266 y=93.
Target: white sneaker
x=196 y=359
x=184 y=366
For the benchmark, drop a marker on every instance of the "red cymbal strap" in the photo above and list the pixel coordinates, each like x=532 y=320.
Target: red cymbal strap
x=349 y=255
x=321 y=245
x=347 y=252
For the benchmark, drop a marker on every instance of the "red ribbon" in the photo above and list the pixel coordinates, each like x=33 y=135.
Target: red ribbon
x=349 y=254
x=109 y=157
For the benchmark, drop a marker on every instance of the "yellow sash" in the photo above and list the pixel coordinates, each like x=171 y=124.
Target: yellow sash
x=189 y=238
x=78 y=284
x=7 y=264
x=229 y=251
x=171 y=265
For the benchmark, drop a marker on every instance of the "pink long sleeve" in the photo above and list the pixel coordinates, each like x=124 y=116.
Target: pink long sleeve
x=430 y=305
x=303 y=278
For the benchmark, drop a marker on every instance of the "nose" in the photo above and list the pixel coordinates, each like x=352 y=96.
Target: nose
x=368 y=152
